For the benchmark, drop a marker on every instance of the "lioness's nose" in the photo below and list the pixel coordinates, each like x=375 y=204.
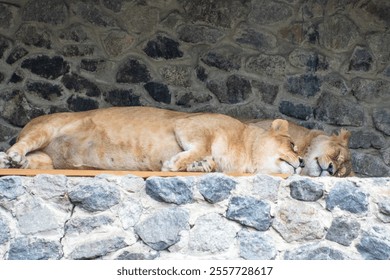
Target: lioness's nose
x=301 y=162
x=330 y=168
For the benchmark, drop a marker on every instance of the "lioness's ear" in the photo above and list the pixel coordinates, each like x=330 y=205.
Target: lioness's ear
x=280 y=126
x=344 y=136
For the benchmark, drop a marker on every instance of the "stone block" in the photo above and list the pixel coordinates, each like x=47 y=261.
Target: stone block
x=94 y=195
x=178 y=190
x=87 y=225
x=297 y=221
x=47 y=67
x=16 y=54
x=24 y=248
x=347 y=196
x=161 y=229
x=306 y=85
x=46 y=91
x=366 y=139
x=80 y=84
x=122 y=97
x=78 y=103
x=133 y=71
x=255 y=39
x=163 y=47
x=361 y=60
x=381 y=117
x=199 y=34
x=298 y=111
x=369 y=90
x=306 y=190
x=11 y=188
x=315 y=252
x=256 y=245
x=267 y=65
x=97 y=247
x=159 y=92
x=249 y=211
x=55 y=11
x=343 y=230
x=4 y=231
x=336 y=110
x=375 y=244
x=369 y=165
x=216 y=187
x=266 y=187
x=211 y=234
x=266 y=12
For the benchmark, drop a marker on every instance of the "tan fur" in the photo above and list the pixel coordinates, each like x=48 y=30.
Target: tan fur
x=140 y=138
x=324 y=155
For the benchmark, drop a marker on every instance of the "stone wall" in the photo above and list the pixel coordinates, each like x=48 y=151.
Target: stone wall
x=322 y=63
x=207 y=217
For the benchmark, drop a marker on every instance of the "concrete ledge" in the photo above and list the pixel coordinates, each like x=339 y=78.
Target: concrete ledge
x=213 y=216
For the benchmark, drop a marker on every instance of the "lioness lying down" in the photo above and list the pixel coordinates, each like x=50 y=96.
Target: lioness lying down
x=324 y=155
x=141 y=138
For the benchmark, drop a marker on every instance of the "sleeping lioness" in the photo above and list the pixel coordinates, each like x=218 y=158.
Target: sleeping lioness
x=324 y=155
x=141 y=138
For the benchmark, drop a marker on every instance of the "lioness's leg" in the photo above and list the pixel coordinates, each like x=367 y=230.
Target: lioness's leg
x=39 y=160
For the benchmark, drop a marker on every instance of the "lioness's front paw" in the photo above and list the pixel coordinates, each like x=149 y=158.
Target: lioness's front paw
x=17 y=160
x=4 y=160
x=206 y=165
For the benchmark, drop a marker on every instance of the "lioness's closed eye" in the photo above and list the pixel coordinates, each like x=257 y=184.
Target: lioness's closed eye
x=141 y=138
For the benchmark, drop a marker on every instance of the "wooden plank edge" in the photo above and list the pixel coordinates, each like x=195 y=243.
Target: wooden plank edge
x=92 y=173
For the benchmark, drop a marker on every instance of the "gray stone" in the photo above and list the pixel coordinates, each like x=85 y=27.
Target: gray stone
x=307 y=59
x=45 y=91
x=216 y=187
x=256 y=246
x=256 y=39
x=361 y=60
x=338 y=33
x=35 y=216
x=80 y=84
x=163 y=47
x=366 y=139
x=4 y=45
x=378 y=42
x=381 y=117
x=138 y=251
x=267 y=65
x=369 y=90
x=75 y=32
x=89 y=12
x=298 y=111
x=140 y=19
x=133 y=71
x=11 y=187
x=88 y=224
x=178 y=190
x=343 y=230
x=249 y=211
x=199 y=34
x=336 y=110
x=5 y=16
x=79 y=104
x=92 y=65
x=375 y=244
x=55 y=11
x=315 y=252
x=212 y=234
x=74 y=50
x=269 y=12
x=24 y=248
x=16 y=54
x=177 y=75
x=369 y=164
x=384 y=206
x=385 y=154
x=129 y=212
x=266 y=187
x=46 y=67
x=4 y=231
x=32 y=35
x=347 y=196
x=117 y=43
x=113 y=5
x=224 y=58
x=307 y=85
x=267 y=91
x=95 y=195
x=306 y=190
x=159 y=92
x=122 y=97
x=297 y=221
x=335 y=83
x=219 y=13
x=162 y=229
x=97 y=248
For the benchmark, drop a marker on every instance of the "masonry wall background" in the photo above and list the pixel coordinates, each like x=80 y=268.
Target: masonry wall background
x=322 y=63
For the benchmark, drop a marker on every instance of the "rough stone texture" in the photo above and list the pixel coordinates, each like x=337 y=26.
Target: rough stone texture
x=250 y=212
x=215 y=188
x=312 y=62
x=172 y=190
x=114 y=217
x=306 y=190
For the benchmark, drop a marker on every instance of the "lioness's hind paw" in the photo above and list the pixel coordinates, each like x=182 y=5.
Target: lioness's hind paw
x=4 y=160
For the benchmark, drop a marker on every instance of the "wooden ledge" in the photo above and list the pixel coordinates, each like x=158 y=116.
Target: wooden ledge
x=92 y=173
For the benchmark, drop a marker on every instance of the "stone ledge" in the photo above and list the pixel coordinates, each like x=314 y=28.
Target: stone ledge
x=198 y=217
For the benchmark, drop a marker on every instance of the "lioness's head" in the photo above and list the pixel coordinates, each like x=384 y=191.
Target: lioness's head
x=328 y=156
x=278 y=152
